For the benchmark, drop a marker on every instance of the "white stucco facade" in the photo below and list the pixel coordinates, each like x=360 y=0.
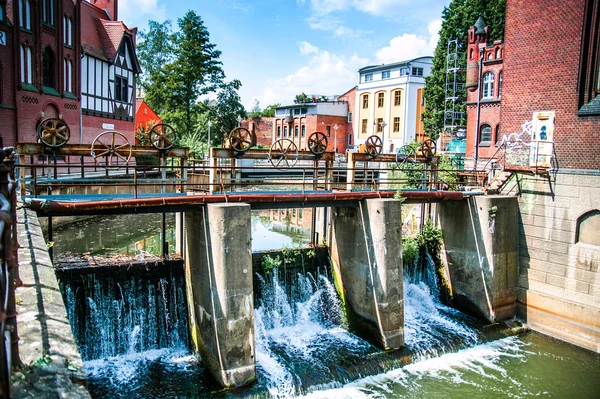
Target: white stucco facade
x=392 y=93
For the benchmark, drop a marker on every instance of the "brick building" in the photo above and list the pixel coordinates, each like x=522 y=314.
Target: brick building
x=297 y=122
x=44 y=51
x=551 y=69
x=484 y=83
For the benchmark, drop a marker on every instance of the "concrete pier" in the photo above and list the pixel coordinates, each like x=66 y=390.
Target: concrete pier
x=480 y=253
x=220 y=292
x=366 y=252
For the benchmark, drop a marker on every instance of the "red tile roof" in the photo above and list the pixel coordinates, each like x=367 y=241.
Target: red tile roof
x=100 y=36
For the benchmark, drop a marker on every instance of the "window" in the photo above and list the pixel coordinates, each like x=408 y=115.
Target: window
x=303 y=130
x=366 y=101
x=67 y=31
x=385 y=75
x=278 y=131
x=471 y=54
x=68 y=77
x=296 y=131
x=349 y=139
x=369 y=77
x=405 y=72
x=500 y=85
x=364 y=126
x=497 y=136
x=397 y=124
x=24 y=14
x=379 y=127
x=488 y=85
x=285 y=131
x=397 y=97
x=48 y=12
x=121 y=89
x=26 y=69
x=349 y=116
x=48 y=68
x=380 y=99
x=485 y=135
x=498 y=53
x=588 y=83
x=1 y=12
x=587 y=229
x=328 y=130
x=417 y=71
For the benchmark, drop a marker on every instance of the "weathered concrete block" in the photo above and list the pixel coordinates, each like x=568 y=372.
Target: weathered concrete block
x=220 y=292
x=367 y=257
x=481 y=254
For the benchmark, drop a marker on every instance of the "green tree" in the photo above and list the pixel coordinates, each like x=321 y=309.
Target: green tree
x=155 y=49
x=189 y=67
x=255 y=111
x=457 y=18
x=227 y=111
x=269 y=112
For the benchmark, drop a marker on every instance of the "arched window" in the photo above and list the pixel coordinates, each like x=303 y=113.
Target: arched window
x=485 y=135
x=68 y=76
x=48 y=12
x=498 y=53
x=497 y=136
x=67 y=31
x=25 y=14
x=488 y=85
x=588 y=226
x=471 y=54
x=490 y=56
x=26 y=69
x=48 y=78
x=500 y=85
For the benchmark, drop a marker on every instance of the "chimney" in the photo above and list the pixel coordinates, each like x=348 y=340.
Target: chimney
x=110 y=6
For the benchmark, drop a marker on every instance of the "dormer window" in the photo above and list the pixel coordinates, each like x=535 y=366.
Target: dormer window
x=385 y=75
x=369 y=77
x=417 y=71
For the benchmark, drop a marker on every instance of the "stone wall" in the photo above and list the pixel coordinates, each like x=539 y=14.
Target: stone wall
x=559 y=278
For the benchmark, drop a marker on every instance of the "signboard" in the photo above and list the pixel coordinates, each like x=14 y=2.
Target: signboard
x=108 y=126
x=542 y=138
x=2 y=38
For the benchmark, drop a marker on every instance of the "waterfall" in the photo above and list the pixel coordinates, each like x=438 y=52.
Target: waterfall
x=111 y=317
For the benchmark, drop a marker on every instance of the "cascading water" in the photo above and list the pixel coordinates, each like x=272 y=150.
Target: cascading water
x=114 y=317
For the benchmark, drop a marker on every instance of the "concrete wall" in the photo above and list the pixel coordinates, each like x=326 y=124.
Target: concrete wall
x=366 y=252
x=220 y=293
x=480 y=252
x=559 y=278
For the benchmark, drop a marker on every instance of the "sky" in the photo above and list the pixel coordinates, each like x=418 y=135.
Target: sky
x=280 y=48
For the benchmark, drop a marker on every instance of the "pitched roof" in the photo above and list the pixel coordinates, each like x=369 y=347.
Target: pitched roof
x=138 y=104
x=480 y=26
x=102 y=37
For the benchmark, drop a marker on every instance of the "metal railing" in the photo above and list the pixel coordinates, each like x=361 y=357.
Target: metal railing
x=9 y=354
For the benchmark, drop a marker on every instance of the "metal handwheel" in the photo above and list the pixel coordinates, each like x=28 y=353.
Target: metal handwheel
x=54 y=132
x=111 y=145
x=317 y=143
x=241 y=139
x=428 y=148
x=162 y=136
x=405 y=155
x=283 y=154
x=374 y=146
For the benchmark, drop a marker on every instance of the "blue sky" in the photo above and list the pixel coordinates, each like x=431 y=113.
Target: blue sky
x=280 y=48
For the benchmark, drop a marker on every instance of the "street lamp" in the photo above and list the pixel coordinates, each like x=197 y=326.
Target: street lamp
x=383 y=125
x=335 y=127
x=208 y=143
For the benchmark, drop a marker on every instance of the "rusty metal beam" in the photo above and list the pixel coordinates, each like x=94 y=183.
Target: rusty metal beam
x=257 y=153
x=85 y=149
x=257 y=201
x=389 y=158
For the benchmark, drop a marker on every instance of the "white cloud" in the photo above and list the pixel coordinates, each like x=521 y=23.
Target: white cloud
x=410 y=45
x=137 y=12
x=307 y=48
x=325 y=74
x=335 y=26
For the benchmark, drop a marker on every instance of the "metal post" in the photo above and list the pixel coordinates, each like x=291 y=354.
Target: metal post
x=50 y=239
x=164 y=243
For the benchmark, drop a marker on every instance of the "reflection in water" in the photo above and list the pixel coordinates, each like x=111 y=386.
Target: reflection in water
x=139 y=235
